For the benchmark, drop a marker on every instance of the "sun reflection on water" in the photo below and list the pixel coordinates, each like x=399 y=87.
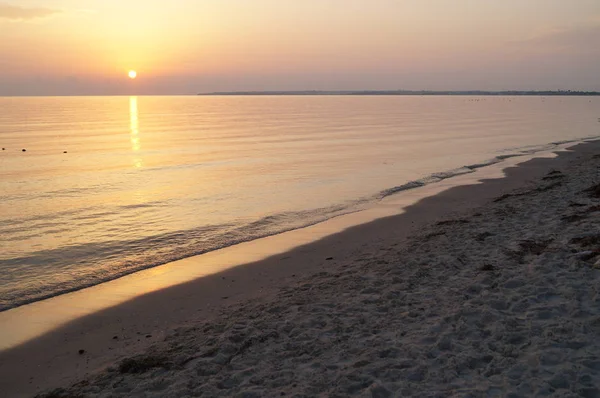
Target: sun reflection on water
x=134 y=129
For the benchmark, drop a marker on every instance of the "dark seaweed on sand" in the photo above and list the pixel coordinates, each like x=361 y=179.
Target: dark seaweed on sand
x=536 y=247
x=593 y=191
x=143 y=364
x=587 y=240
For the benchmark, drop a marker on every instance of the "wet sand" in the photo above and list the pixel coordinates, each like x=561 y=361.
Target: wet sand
x=479 y=289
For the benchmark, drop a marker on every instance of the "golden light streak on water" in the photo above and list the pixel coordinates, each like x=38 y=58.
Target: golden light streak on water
x=134 y=128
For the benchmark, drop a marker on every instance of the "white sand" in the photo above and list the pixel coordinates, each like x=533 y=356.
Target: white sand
x=501 y=300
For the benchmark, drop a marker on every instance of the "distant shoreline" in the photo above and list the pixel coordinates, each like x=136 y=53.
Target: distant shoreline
x=412 y=92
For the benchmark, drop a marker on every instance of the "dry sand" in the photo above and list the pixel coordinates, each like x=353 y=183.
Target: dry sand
x=482 y=290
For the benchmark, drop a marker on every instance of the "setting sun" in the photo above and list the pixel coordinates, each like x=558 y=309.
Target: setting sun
x=132 y=74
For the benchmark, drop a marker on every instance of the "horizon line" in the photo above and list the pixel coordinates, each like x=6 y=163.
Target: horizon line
x=340 y=93
x=410 y=92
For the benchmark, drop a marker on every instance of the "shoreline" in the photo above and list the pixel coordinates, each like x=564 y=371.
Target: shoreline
x=54 y=357
x=31 y=320
x=365 y=203
x=360 y=204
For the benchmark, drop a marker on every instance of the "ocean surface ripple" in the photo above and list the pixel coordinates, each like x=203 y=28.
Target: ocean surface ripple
x=112 y=185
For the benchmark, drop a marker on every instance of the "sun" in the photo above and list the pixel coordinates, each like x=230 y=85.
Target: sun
x=132 y=74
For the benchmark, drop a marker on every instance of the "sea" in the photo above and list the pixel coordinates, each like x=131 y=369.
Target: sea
x=94 y=188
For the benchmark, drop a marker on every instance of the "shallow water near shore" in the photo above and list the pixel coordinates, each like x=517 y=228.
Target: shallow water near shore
x=111 y=185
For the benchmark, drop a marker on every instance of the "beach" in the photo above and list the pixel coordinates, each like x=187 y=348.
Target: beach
x=299 y=199
x=488 y=289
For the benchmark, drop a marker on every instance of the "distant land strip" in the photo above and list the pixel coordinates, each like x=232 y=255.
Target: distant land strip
x=412 y=92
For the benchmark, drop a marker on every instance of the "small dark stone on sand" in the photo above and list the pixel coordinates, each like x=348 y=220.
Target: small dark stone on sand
x=23 y=150
x=64 y=151
x=225 y=297
x=4 y=149
x=148 y=336
x=329 y=258
x=115 y=337
x=81 y=352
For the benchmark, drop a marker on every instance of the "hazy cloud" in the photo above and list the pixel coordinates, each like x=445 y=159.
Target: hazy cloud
x=574 y=39
x=16 y=13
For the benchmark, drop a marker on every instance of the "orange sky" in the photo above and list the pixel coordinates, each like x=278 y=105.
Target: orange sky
x=186 y=46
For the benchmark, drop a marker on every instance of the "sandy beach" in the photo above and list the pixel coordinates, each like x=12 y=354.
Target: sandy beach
x=481 y=290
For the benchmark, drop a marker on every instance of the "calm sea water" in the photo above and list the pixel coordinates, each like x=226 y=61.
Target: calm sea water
x=110 y=185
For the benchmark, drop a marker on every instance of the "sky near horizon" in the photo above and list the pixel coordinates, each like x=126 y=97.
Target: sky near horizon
x=80 y=47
